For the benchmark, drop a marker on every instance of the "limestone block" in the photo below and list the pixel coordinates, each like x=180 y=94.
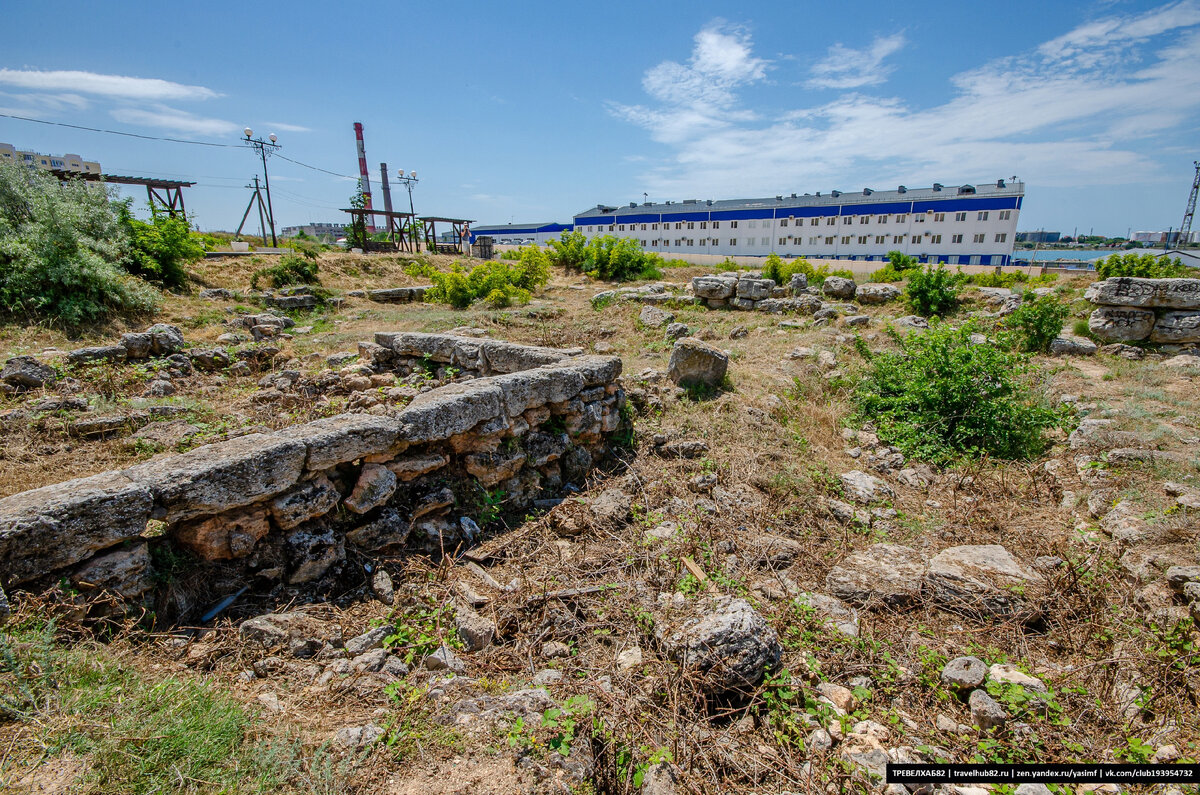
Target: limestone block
x=304 y=501
x=124 y=571
x=1132 y=291
x=983 y=579
x=755 y=289
x=413 y=466
x=1177 y=326
x=451 y=410
x=55 y=526
x=1121 y=323
x=219 y=477
x=226 y=536
x=375 y=486
x=346 y=437
x=697 y=363
x=713 y=287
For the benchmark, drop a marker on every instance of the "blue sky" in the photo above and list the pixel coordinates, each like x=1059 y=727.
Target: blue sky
x=535 y=111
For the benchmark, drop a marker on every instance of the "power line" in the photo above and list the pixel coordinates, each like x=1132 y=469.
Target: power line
x=315 y=168
x=118 y=132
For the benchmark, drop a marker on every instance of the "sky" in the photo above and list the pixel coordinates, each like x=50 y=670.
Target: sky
x=533 y=112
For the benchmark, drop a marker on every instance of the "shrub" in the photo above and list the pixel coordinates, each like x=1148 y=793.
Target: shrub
x=497 y=282
x=941 y=397
x=605 y=257
x=932 y=291
x=61 y=246
x=159 y=248
x=569 y=251
x=291 y=269
x=782 y=272
x=1035 y=323
x=993 y=279
x=1148 y=266
x=887 y=274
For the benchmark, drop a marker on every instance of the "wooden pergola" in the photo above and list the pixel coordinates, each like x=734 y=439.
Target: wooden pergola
x=164 y=193
x=461 y=228
x=396 y=224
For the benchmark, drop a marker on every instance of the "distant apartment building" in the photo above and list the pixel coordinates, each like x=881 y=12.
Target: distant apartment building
x=317 y=229
x=68 y=162
x=1165 y=236
x=1038 y=237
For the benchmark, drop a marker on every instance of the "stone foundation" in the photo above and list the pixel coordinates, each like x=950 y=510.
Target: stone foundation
x=293 y=506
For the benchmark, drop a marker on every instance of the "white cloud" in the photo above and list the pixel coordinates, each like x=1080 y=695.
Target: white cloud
x=844 y=67
x=117 y=86
x=48 y=102
x=1096 y=120
x=175 y=120
x=284 y=127
x=721 y=61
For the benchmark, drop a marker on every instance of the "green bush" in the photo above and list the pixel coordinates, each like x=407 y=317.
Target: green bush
x=1035 y=323
x=932 y=291
x=606 y=257
x=569 y=251
x=1148 y=266
x=159 y=248
x=291 y=269
x=61 y=245
x=887 y=274
x=993 y=279
x=782 y=272
x=499 y=283
x=941 y=398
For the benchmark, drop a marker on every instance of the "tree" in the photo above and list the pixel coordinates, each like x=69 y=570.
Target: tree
x=356 y=230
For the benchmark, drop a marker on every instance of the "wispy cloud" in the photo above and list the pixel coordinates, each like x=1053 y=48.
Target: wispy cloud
x=175 y=120
x=47 y=102
x=845 y=67
x=284 y=127
x=1088 y=121
x=118 y=86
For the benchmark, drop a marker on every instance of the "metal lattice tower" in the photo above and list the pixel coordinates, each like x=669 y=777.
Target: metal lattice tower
x=1185 y=228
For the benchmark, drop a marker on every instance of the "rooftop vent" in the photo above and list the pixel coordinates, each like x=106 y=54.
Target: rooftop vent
x=779 y=197
x=794 y=195
x=867 y=191
x=818 y=193
x=835 y=193
x=646 y=204
x=1000 y=183
x=901 y=189
x=691 y=201
x=966 y=189
x=633 y=204
x=937 y=186
x=709 y=202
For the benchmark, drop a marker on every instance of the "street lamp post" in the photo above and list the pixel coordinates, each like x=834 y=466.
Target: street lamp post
x=409 y=180
x=261 y=147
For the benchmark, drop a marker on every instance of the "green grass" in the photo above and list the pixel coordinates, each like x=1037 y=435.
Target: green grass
x=139 y=736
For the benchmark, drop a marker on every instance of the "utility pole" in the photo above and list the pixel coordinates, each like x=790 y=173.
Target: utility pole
x=255 y=197
x=262 y=147
x=409 y=180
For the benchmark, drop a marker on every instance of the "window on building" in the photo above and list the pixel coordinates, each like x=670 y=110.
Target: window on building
x=919 y=218
x=766 y=241
x=939 y=217
x=814 y=221
x=704 y=224
x=783 y=222
x=751 y=224
x=979 y=238
x=880 y=239
x=960 y=216
x=691 y=241
x=829 y=240
x=974 y=260
x=956 y=239
x=643 y=229
x=864 y=219
x=1000 y=238
x=981 y=216
x=846 y=219
x=733 y=224
x=691 y=225
x=621 y=228
x=830 y=221
x=1005 y=215
x=883 y=219
x=733 y=240
x=862 y=240
x=898 y=239
x=643 y=243
x=936 y=240
x=903 y=217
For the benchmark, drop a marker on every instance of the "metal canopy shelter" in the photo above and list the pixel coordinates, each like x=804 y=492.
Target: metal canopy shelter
x=397 y=228
x=460 y=226
x=165 y=193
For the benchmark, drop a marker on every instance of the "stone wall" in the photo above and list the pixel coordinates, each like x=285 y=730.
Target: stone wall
x=294 y=506
x=753 y=293
x=1161 y=311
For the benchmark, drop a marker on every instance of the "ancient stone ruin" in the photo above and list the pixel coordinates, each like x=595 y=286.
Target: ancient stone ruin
x=751 y=292
x=295 y=506
x=1161 y=311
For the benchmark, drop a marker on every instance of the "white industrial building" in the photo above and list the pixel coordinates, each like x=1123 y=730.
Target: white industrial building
x=520 y=234
x=957 y=225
